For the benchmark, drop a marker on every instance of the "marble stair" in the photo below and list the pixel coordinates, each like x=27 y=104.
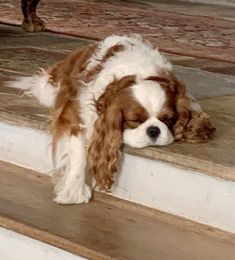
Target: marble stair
x=189 y=182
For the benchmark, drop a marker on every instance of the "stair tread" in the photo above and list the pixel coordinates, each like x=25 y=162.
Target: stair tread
x=102 y=228
x=215 y=157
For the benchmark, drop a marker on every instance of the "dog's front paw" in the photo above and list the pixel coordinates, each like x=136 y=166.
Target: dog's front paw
x=74 y=196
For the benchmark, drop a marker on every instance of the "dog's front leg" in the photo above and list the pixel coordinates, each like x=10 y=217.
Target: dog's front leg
x=71 y=158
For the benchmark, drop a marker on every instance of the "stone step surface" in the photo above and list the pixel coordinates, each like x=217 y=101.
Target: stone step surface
x=105 y=228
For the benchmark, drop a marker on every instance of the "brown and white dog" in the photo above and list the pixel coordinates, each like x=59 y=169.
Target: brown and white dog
x=120 y=90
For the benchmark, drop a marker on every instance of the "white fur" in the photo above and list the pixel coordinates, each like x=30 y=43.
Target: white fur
x=37 y=86
x=139 y=58
x=136 y=52
x=152 y=97
x=138 y=137
x=71 y=159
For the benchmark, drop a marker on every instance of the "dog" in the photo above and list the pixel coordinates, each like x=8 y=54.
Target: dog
x=31 y=22
x=119 y=90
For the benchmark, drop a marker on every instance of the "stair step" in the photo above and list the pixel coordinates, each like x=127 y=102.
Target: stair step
x=215 y=158
x=216 y=92
x=105 y=228
x=28 y=247
x=174 y=178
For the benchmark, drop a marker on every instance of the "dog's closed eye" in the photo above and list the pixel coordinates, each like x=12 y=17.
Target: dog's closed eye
x=169 y=120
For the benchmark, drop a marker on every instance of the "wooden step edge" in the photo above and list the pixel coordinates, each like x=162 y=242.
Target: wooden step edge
x=13 y=119
x=167 y=218
x=179 y=222
x=183 y=161
x=40 y=234
x=52 y=239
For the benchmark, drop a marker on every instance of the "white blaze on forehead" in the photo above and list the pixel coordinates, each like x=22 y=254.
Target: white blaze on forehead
x=150 y=95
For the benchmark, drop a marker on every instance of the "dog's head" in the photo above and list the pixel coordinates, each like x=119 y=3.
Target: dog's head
x=143 y=112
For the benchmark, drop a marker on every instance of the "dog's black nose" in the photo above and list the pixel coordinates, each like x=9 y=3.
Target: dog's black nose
x=153 y=132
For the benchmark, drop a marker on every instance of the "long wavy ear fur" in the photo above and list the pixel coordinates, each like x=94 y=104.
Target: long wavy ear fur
x=103 y=152
x=193 y=125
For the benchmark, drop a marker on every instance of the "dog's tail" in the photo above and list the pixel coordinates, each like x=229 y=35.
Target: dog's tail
x=38 y=86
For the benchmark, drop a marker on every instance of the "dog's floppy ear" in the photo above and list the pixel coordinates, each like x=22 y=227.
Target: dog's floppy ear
x=192 y=125
x=103 y=150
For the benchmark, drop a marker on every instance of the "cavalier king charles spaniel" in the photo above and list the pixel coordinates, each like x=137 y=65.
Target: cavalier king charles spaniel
x=119 y=90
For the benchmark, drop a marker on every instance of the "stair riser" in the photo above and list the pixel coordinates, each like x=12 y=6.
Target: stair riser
x=195 y=196
x=25 y=248
x=25 y=147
